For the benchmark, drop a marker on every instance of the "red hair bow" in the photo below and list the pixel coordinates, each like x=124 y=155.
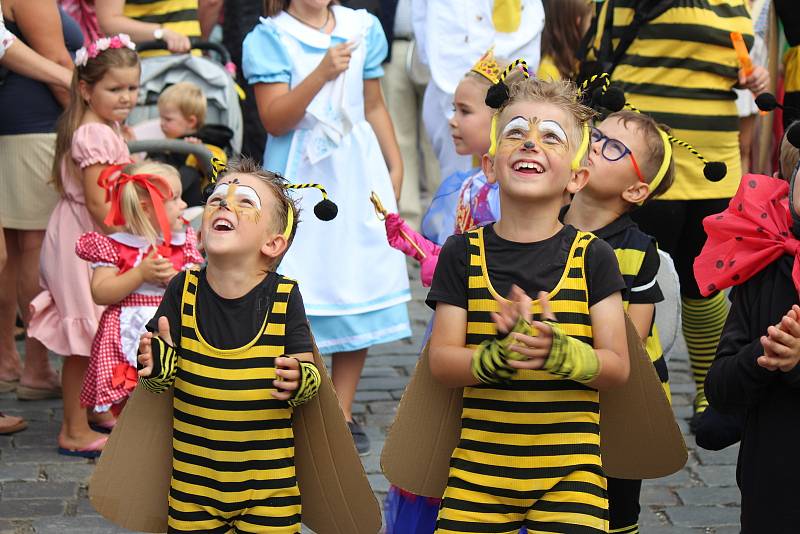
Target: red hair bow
x=112 y=179
x=754 y=231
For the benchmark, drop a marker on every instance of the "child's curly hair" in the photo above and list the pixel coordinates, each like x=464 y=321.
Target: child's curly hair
x=562 y=94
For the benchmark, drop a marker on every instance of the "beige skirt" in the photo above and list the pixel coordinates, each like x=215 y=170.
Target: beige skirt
x=27 y=194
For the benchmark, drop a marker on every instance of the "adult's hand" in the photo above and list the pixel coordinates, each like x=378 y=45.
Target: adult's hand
x=176 y=42
x=757 y=81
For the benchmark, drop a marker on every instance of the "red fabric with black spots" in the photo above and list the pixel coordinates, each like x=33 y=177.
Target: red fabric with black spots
x=754 y=231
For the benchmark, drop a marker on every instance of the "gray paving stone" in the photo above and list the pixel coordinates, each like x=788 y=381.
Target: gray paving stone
x=379 y=483
x=37 y=456
x=657 y=495
x=702 y=496
x=383 y=383
x=369 y=396
x=31 y=508
x=717 y=475
x=19 y=472
x=76 y=525
x=382 y=407
x=703 y=516
x=39 y=490
x=79 y=472
x=727 y=456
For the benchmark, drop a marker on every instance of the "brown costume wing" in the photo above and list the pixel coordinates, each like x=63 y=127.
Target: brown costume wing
x=640 y=438
x=130 y=484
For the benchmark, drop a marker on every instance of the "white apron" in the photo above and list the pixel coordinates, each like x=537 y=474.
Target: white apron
x=344 y=266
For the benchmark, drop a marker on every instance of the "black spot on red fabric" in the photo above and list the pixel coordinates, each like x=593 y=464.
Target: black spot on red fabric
x=720 y=264
x=736 y=277
x=752 y=184
x=731 y=263
x=740 y=207
x=719 y=217
x=760 y=230
x=738 y=238
x=712 y=287
x=764 y=215
x=785 y=234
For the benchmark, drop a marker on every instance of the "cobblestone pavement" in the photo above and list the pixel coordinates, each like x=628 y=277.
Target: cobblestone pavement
x=45 y=493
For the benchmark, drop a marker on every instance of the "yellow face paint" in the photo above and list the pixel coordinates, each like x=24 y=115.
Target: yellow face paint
x=546 y=134
x=240 y=199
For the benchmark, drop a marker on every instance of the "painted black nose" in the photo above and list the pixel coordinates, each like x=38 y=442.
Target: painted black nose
x=529 y=145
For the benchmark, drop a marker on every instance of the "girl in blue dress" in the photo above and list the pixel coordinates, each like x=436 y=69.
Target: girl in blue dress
x=315 y=68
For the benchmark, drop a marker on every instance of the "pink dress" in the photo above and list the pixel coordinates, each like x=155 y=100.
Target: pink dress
x=111 y=375
x=64 y=317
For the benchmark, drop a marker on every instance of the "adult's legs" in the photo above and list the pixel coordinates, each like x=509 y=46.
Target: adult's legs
x=38 y=379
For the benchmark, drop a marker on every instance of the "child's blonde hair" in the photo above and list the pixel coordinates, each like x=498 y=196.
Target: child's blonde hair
x=136 y=220
x=654 y=144
x=562 y=94
x=188 y=98
x=789 y=156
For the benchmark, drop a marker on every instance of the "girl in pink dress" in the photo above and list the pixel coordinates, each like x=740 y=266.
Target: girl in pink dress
x=64 y=317
x=130 y=271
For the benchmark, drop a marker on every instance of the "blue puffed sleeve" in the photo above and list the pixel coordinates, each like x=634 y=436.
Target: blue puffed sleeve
x=377 y=49
x=264 y=58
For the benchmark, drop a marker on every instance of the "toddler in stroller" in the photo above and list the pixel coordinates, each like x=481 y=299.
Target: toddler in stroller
x=182 y=109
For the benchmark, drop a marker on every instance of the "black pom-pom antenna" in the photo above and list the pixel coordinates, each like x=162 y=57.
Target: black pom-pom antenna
x=768 y=102
x=326 y=210
x=714 y=171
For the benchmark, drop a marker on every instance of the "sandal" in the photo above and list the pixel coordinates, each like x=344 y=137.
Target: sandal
x=12 y=424
x=7 y=386
x=104 y=427
x=92 y=450
x=27 y=393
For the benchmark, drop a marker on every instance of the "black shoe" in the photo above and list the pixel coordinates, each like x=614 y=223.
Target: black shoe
x=359 y=438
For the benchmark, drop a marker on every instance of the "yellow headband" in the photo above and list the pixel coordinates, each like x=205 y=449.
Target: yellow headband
x=662 y=170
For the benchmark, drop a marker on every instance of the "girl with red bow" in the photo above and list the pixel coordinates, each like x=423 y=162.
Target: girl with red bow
x=754 y=247
x=131 y=269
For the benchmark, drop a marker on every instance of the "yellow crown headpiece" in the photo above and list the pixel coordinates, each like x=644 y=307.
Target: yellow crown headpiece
x=487 y=66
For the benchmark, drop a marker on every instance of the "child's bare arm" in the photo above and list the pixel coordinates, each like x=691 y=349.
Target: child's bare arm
x=610 y=342
x=642 y=318
x=450 y=360
x=96 y=196
x=378 y=117
x=110 y=287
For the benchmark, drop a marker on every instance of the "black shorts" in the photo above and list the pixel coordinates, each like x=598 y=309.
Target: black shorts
x=677 y=226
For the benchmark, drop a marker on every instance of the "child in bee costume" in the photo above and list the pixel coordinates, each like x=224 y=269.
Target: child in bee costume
x=233 y=342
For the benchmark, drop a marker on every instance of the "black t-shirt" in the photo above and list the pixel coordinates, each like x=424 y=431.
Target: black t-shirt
x=533 y=267
x=644 y=288
x=232 y=323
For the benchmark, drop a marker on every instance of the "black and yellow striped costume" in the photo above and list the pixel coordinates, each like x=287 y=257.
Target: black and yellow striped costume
x=529 y=451
x=179 y=16
x=233 y=445
x=630 y=246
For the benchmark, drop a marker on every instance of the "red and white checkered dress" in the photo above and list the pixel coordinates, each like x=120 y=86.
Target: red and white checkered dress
x=111 y=375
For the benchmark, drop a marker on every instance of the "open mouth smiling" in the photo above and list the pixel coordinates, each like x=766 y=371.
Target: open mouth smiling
x=528 y=167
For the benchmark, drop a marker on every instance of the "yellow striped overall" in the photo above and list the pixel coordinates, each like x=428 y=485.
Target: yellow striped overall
x=233 y=445
x=529 y=451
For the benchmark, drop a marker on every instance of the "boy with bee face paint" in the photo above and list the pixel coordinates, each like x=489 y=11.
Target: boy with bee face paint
x=234 y=341
x=529 y=449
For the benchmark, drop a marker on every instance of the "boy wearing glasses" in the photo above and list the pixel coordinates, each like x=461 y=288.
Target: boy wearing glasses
x=629 y=163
